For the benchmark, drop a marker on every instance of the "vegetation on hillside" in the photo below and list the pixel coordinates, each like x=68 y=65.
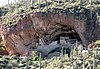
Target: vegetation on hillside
x=87 y=59
x=74 y=7
x=77 y=59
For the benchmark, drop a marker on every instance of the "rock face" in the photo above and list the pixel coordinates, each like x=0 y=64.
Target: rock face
x=20 y=38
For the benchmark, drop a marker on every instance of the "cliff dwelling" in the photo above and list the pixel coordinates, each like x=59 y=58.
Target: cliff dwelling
x=47 y=26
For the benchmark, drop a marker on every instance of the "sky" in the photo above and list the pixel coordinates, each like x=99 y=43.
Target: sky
x=4 y=2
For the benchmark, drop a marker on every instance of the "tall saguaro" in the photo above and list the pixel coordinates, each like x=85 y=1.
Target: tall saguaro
x=26 y=6
x=32 y=2
x=80 y=3
x=90 y=1
x=9 y=4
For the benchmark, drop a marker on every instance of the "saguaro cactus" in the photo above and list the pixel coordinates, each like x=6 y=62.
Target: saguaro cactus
x=76 y=49
x=80 y=3
x=83 y=63
x=90 y=1
x=94 y=65
x=40 y=61
x=46 y=4
x=9 y=4
x=32 y=2
x=26 y=4
x=45 y=64
x=62 y=56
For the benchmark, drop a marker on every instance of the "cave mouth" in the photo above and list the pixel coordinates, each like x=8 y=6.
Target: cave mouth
x=70 y=34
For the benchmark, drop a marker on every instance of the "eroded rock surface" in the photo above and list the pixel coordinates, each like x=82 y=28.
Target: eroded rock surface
x=20 y=38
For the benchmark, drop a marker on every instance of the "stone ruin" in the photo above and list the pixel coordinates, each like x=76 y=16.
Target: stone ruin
x=47 y=26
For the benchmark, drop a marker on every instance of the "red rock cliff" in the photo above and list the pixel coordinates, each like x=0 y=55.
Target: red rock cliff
x=21 y=37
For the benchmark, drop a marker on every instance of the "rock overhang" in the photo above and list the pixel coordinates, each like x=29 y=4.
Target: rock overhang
x=40 y=24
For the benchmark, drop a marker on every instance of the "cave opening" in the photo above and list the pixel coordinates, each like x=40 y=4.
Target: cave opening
x=53 y=41
x=68 y=35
